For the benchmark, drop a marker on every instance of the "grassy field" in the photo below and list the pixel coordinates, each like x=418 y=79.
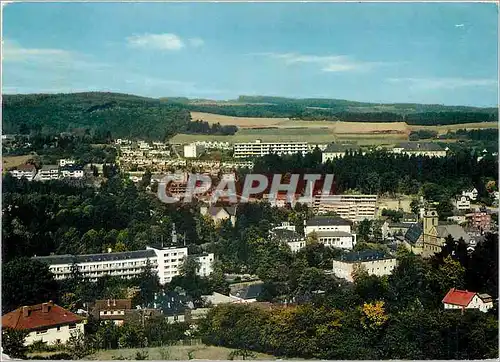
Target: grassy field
x=284 y=129
x=200 y=351
x=11 y=161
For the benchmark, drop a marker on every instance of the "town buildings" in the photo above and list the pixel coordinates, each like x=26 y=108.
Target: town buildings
x=193 y=150
x=287 y=234
x=48 y=172
x=471 y=193
x=114 y=310
x=481 y=220
x=351 y=207
x=419 y=149
x=374 y=262
x=46 y=322
x=463 y=299
x=462 y=203
x=220 y=213
x=334 y=150
x=26 y=171
x=259 y=148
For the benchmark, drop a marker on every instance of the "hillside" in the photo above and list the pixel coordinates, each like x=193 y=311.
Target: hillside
x=121 y=114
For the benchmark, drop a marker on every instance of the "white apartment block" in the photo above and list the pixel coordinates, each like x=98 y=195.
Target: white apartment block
x=351 y=207
x=75 y=172
x=48 y=172
x=24 y=171
x=462 y=203
x=193 y=150
x=259 y=148
x=164 y=260
x=419 y=149
x=471 y=194
x=374 y=262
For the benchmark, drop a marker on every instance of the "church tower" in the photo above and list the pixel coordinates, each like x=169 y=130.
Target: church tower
x=430 y=220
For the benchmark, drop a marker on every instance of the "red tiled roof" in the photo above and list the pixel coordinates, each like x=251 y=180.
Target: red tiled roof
x=458 y=297
x=39 y=316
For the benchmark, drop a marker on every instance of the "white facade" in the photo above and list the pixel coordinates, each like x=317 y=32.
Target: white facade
x=471 y=194
x=72 y=173
x=66 y=162
x=350 y=207
x=193 y=150
x=259 y=149
x=321 y=228
x=165 y=261
x=475 y=303
x=47 y=173
x=337 y=239
x=462 y=203
x=55 y=334
x=344 y=269
x=28 y=174
x=295 y=246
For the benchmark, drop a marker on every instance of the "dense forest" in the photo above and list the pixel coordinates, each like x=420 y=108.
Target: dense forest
x=122 y=115
x=132 y=116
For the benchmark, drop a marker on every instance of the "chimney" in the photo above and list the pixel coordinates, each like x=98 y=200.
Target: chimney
x=108 y=303
x=45 y=307
x=26 y=312
x=114 y=302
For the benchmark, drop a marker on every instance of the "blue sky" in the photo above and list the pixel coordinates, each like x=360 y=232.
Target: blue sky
x=393 y=52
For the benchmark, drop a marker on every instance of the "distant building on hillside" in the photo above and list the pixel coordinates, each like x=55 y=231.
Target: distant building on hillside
x=334 y=150
x=286 y=234
x=26 y=171
x=428 y=149
x=259 y=148
x=193 y=150
x=331 y=231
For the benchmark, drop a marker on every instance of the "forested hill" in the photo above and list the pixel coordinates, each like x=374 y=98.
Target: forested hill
x=343 y=110
x=121 y=114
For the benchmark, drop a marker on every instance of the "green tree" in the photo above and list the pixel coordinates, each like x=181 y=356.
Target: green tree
x=13 y=342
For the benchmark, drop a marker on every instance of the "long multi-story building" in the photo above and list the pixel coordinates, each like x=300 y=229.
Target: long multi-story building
x=351 y=207
x=374 y=262
x=259 y=148
x=166 y=261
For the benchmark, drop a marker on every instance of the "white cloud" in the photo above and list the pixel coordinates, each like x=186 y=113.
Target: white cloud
x=13 y=52
x=196 y=42
x=446 y=83
x=328 y=63
x=164 y=41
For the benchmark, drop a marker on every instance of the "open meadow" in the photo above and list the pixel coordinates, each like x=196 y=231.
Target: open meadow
x=12 y=161
x=285 y=129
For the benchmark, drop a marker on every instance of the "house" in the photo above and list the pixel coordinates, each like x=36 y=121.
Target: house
x=66 y=162
x=215 y=299
x=462 y=203
x=390 y=229
x=294 y=240
x=193 y=150
x=419 y=149
x=471 y=193
x=463 y=299
x=173 y=304
x=26 y=171
x=220 y=213
x=374 y=262
x=246 y=293
x=46 y=322
x=326 y=223
x=112 y=310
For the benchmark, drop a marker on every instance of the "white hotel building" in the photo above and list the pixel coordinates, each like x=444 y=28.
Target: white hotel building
x=259 y=148
x=165 y=260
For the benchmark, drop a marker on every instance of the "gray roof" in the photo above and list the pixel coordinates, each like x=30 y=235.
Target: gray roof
x=285 y=234
x=419 y=146
x=327 y=221
x=366 y=255
x=335 y=147
x=401 y=225
x=49 y=167
x=414 y=233
x=89 y=258
x=456 y=232
x=332 y=233
x=251 y=291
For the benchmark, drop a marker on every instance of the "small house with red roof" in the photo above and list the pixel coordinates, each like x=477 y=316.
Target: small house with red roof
x=46 y=322
x=463 y=299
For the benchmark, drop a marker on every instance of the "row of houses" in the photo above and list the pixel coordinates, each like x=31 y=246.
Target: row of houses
x=65 y=169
